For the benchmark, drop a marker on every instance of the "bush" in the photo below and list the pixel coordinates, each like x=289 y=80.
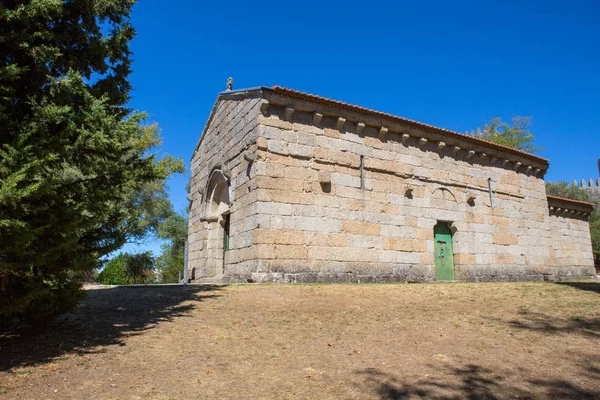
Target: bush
x=115 y=272
x=140 y=267
x=38 y=299
x=127 y=268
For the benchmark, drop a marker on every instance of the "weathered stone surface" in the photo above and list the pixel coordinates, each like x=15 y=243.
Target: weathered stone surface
x=327 y=199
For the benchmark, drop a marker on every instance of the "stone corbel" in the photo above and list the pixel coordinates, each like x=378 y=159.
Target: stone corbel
x=482 y=156
x=470 y=154
x=383 y=131
x=209 y=219
x=325 y=177
x=317 y=117
x=455 y=150
x=340 y=123
x=529 y=168
x=494 y=160
x=359 y=127
x=422 y=142
x=517 y=166
x=289 y=111
x=505 y=161
x=249 y=156
x=441 y=146
x=405 y=138
x=264 y=106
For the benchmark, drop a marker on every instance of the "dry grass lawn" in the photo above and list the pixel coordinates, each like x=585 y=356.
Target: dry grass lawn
x=442 y=341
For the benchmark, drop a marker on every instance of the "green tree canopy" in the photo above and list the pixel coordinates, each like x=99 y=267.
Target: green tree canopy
x=128 y=268
x=174 y=229
x=78 y=169
x=516 y=135
x=115 y=272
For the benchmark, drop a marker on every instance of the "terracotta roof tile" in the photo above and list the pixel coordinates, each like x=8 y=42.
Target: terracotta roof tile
x=351 y=107
x=583 y=203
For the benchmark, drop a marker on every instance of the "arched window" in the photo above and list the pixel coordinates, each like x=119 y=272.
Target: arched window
x=217 y=201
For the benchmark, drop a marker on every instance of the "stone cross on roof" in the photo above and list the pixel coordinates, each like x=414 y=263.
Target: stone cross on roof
x=230 y=83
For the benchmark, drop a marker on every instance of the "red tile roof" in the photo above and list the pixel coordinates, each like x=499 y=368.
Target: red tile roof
x=351 y=107
x=564 y=199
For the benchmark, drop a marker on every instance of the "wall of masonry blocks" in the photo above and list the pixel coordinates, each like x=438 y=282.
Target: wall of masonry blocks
x=571 y=243
x=299 y=213
x=231 y=130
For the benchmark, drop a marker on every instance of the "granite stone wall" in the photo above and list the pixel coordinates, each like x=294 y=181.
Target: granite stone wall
x=230 y=133
x=319 y=197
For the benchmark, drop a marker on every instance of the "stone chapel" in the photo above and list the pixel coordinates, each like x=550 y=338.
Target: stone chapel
x=292 y=187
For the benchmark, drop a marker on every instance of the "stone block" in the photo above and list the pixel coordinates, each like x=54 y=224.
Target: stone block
x=300 y=173
x=502 y=259
x=299 y=150
x=364 y=242
x=274 y=121
x=332 y=133
x=404 y=244
x=361 y=228
x=283 y=196
x=344 y=158
x=277 y=147
x=262 y=143
x=464 y=259
x=345 y=180
x=505 y=240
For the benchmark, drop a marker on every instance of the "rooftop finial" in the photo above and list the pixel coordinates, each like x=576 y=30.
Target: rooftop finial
x=230 y=83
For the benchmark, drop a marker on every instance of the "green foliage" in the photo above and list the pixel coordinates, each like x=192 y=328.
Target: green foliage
x=115 y=272
x=563 y=189
x=126 y=269
x=516 y=135
x=140 y=267
x=39 y=297
x=595 y=232
x=171 y=261
x=78 y=170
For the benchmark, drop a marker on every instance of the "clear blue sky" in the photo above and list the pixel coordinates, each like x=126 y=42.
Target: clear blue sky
x=453 y=64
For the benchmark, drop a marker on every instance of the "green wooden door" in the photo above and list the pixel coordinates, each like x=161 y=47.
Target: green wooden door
x=444 y=259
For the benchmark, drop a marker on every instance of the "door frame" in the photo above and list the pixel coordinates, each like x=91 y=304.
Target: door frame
x=447 y=225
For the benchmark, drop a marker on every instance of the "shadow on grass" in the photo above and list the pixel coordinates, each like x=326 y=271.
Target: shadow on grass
x=587 y=286
x=538 y=322
x=106 y=317
x=470 y=382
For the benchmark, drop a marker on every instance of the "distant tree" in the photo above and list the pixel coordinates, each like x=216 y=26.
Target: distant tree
x=128 y=268
x=516 y=135
x=563 y=189
x=140 y=267
x=115 y=272
x=170 y=263
x=78 y=168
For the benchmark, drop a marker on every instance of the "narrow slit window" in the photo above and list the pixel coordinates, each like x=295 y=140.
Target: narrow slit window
x=226 y=235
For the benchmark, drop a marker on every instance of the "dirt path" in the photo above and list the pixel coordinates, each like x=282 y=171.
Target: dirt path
x=488 y=340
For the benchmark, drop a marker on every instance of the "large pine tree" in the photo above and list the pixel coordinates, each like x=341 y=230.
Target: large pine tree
x=78 y=169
